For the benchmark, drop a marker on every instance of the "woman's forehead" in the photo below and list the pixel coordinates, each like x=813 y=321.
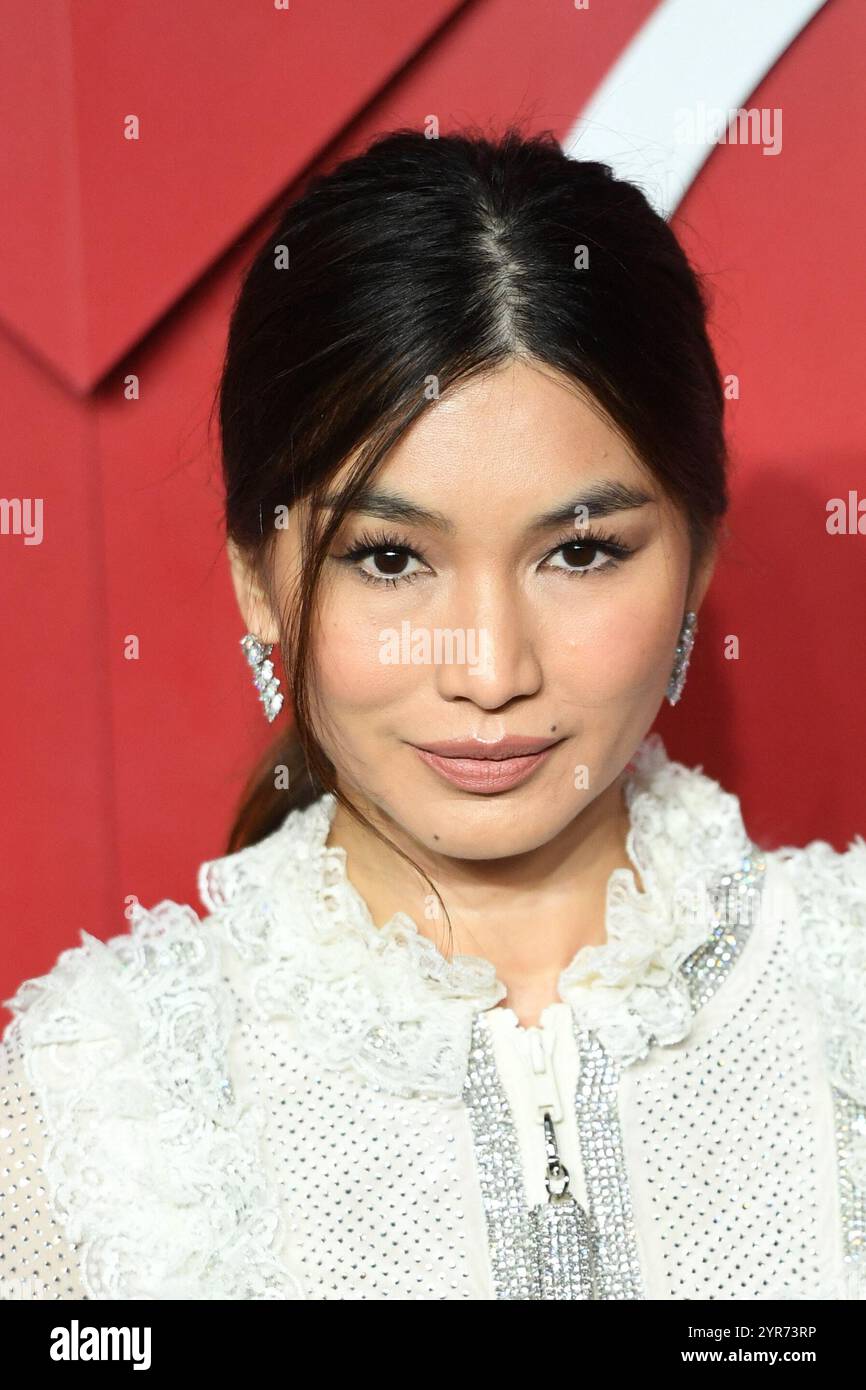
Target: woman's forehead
x=516 y=436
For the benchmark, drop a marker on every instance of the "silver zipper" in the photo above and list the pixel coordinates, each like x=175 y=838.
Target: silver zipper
x=557 y=1179
x=556 y=1175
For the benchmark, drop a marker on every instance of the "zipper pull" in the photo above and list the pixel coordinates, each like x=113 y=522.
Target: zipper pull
x=557 y=1176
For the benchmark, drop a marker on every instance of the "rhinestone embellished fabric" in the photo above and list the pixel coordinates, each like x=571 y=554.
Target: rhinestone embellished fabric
x=617 y=1273
x=727 y=1138
x=36 y=1260
x=735 y=906
x=728 y=1153
x=850 y=1121
x=372 y=1211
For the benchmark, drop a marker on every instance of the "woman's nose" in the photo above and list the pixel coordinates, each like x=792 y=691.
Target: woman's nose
x=489 y=656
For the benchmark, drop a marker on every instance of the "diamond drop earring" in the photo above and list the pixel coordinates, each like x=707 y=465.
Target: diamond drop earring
x=684 y=650
x=266 y=683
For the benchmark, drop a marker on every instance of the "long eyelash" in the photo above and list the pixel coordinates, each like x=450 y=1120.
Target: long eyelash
x=368 y=544
x=611 y=544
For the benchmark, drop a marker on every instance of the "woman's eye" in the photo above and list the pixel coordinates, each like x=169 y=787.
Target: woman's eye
x=582 y=557
x=388 y=567
x=382 y=559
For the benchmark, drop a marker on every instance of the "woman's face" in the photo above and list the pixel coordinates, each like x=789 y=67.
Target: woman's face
x=488 y=622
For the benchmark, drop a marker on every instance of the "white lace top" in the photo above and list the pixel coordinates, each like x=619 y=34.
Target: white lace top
x=282 y=1100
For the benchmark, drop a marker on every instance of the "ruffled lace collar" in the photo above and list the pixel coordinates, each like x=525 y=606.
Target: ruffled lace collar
x=387 y=1002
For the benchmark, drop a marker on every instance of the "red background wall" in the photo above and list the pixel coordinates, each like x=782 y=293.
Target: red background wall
x=122 y=257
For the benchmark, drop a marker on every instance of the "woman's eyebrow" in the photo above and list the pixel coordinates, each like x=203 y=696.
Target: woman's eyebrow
x=390 y=506
x=599 y=499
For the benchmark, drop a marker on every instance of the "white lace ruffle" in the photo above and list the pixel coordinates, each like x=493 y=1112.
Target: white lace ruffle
x=383 y=1001
x=685 y=832
x=156 y=1170
x=386 y=1001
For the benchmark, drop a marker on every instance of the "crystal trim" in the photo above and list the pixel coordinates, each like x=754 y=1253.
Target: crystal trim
x=618 y=1272
x=850 y=1120
x=735 y=905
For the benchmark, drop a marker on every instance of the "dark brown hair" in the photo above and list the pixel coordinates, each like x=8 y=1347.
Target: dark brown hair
x=444 y=258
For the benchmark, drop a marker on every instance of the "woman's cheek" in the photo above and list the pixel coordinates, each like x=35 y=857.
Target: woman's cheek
x=615 y=655
x=357 y=666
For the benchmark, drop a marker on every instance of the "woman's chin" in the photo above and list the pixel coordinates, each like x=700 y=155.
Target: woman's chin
x=487 y=827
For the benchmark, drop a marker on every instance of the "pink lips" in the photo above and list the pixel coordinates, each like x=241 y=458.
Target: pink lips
x=475 y=766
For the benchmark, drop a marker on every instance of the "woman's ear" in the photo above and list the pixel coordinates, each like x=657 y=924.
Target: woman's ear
x=252 y=600
x=702 y=576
